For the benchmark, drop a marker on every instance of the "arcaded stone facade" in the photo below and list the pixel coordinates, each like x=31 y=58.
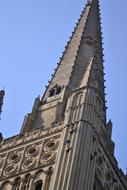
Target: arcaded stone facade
x=65 y=142
x=28 y=159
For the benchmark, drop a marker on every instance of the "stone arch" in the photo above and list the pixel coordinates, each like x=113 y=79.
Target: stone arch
x=42 y=179
x=77 y=99
x=26 y=182
x=55 y=91
x=76 y=107
x=38 y=185
x=6 y=185
x=39 y=175
x=38 y=181
x=17 y=183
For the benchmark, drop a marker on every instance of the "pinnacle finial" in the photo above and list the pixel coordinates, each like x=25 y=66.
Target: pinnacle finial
x=2 y=93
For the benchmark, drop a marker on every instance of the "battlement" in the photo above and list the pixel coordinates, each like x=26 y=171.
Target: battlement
x=37 y=134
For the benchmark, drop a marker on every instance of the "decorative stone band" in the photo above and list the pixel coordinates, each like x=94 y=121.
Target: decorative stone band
x=36 y=134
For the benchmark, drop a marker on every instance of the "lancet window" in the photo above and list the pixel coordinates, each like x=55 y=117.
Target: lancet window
x=26 y=182
x=55 y=91
x=39 y=185
x=17 y=183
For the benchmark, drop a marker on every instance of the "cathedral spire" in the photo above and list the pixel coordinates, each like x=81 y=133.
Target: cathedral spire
x=65 y=142
x=85 y=43
x=81 y=66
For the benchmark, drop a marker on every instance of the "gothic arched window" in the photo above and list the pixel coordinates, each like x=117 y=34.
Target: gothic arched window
x=52 y=93
x=6 y=186
x=55 y=91
x=58 y=90
x=26 y=182
x=17 y=182
x=39 y=185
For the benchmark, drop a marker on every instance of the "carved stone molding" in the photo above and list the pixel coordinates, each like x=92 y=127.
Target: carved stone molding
x=14 y=157
x=28 y=164
x=10 y=170
x=48 y=158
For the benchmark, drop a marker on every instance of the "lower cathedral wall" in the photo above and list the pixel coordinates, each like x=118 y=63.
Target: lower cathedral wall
x=30 y=163
x=28 y=181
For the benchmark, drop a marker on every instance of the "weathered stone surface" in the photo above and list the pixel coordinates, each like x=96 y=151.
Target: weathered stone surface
x=65 y=142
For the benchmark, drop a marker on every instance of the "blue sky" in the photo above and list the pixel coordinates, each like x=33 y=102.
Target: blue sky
x=32 y=37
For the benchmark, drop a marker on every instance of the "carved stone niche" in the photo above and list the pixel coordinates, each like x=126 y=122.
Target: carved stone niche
x=89 y=41
x=52 y=145
x=32 y=151
x=43 y=176
x=108 y=175
x=28 y=164
x=99 y=160
x=31 y=157
x=10 y=170
x=99 y=173
x=98 y=179
x=14 y=158
x=48 y=158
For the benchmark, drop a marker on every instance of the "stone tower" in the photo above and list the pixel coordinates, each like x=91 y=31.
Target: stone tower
x=65 y=142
